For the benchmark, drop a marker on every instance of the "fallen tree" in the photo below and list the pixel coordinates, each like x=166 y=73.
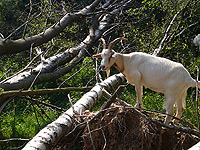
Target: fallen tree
x=52 y=133
x=123 y=127
x=139 y=128
x=104 y=23
x=14 y=46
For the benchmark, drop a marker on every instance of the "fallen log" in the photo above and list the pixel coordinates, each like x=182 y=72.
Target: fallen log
x=41 y=91
x=52 y=133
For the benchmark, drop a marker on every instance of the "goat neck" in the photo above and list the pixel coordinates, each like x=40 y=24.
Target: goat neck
x=119 y=62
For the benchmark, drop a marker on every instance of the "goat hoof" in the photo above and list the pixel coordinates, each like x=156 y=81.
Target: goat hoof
x=139 y=106
x=175 y=122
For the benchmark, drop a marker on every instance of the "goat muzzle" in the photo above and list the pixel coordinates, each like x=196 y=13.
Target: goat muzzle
x=103 y=67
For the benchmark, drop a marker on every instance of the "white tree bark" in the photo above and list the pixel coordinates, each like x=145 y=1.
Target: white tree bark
x=49 y=135
x=14 y=46
x=195 y=147
x=48 y=70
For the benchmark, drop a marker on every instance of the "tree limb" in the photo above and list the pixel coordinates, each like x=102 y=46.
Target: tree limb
x=14 y=46
x=41 y=91
x=14 y=139
x=161 y=46
x=49 y=135
x=71 y=56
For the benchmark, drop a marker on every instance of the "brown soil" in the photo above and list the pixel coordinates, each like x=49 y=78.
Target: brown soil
x=124 y=129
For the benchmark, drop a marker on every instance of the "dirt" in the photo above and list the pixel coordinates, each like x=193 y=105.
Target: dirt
x=123 y=129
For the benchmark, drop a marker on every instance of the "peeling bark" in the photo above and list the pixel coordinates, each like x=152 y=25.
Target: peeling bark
x=49 y=135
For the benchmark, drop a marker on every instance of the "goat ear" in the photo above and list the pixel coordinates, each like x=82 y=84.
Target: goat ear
x=97 y=56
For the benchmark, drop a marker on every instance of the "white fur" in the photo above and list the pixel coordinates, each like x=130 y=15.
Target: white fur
x=158 y=74
x=196 y=40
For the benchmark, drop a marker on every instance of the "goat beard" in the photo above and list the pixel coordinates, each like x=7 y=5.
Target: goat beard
x=108 y=72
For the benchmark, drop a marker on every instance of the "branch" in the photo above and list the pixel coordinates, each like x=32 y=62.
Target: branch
x=52 y=133
x=46 y=104
x=14 y=46
x=27 y=67
x=14 y=139
x=161 y=46
x=186 y=130
x=71 y=56
x=41 y=91
x=157 y=50
x=114 y=96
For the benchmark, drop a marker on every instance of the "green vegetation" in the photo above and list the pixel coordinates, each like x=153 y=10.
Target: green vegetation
x=144 y=25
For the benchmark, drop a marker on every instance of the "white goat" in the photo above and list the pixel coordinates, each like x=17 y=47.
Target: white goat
x=158 y=74
x=196 y=40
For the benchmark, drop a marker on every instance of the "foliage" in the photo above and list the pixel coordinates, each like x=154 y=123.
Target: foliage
x=144 y=24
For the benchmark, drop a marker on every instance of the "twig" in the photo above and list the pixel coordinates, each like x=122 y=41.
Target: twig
x=5 y=74
x=47 y=104
x=27 y=67
x=16 y=29
x=39 y=52
x=28 y=18
x=157 y=50
x=113 y=97
x=117 y=99
x=72 y=105
x=90 y=134
x=197 y=95
x=103 y=137
x=43 y=112
x=190 y=125
x=36 y=115
x=96 y=64
x=41 y=91
x=74 y=74
x=35 y=78
x=187 y=28
x=5 y=103
x=190 y=131
x=14 y=139
x=48 y=16
x=92 y=78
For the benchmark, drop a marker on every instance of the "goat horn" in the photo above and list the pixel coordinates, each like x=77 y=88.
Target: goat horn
x=104 y=42
x=110 y=46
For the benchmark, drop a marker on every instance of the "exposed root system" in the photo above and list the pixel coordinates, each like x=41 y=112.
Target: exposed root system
x=121 y=128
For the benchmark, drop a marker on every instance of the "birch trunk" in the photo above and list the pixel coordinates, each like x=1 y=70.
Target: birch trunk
x=49 y=135
x=195 y=147
x=49 y=70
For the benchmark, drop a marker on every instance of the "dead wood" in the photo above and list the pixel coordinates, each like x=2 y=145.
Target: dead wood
x=41 y=91
x=124 y=127
x=52 y=133
x=8 y=46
